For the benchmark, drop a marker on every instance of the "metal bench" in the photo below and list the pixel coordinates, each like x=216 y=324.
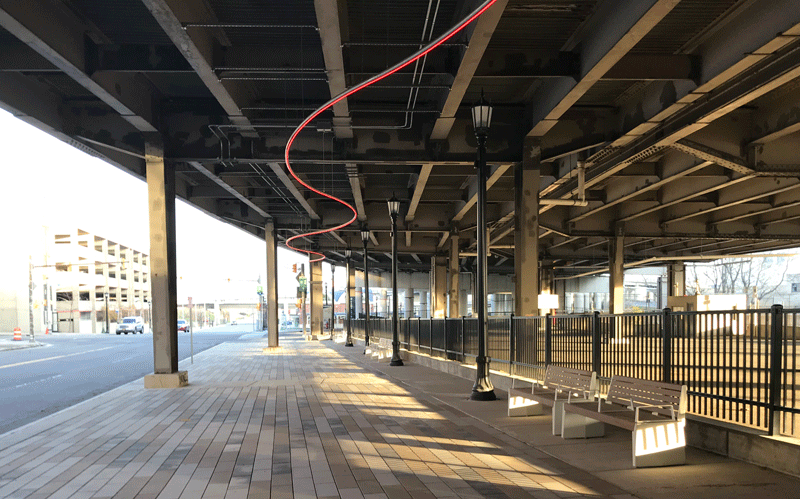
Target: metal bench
x=561 y=384
x=382 y=348
x=653 y=411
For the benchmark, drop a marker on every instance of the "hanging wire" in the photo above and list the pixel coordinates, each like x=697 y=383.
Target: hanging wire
x=397 y=67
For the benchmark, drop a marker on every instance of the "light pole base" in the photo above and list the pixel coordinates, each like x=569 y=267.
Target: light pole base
x=483 y=396
x=349 y=343
x=396 y=362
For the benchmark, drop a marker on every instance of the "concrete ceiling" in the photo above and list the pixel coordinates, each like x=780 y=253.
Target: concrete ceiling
x=685 y=114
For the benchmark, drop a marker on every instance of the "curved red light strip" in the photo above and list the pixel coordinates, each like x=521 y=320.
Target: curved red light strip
x=421 y=53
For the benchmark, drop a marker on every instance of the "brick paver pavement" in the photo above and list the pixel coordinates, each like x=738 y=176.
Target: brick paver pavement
x=302 y=421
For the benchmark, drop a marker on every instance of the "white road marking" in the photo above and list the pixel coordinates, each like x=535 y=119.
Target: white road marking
x=53 y=358
x=31 y=382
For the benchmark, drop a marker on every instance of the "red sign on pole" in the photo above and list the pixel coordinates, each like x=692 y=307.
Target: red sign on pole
x=190 y=301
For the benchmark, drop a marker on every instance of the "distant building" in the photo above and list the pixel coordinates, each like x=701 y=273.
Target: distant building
x=75 y=276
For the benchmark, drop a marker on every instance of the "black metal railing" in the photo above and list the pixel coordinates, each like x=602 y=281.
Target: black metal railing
x=740 y=366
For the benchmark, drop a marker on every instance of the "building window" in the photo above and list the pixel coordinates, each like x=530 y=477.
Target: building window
x=796 y=287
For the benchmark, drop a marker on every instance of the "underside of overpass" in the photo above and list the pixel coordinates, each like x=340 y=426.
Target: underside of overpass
x=684 y=115
x=658 y=130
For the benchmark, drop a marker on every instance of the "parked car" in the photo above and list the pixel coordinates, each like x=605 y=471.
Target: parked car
x=233 y=323
x=131 y=325
x=183 y=326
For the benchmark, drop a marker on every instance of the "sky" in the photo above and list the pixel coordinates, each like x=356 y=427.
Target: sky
x=47 y=182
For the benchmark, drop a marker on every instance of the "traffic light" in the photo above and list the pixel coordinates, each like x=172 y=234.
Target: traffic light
x=294 y=268
x=299 y=304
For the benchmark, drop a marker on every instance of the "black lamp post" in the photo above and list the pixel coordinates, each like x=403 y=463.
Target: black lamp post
x=481 y=119
x=365 y=240
x=349 y=341
x=394 y=210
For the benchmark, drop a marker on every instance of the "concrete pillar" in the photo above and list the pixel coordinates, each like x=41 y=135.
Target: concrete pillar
x=452 y=277
x=438 y=286
x=383 y=304
x=272 y=284
x=359 y=299
x=409 y=303
x=353 y=290
x=423 y=304
x=161 y=201
x=616 y=270
x=677 y=279
x=462 y=302
x=526 y=230
x=315 y=288
x=497 y=303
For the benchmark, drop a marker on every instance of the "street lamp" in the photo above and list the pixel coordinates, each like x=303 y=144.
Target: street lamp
x=394 y=210
x=349 y=341
x=365 y=240
x=481 y=119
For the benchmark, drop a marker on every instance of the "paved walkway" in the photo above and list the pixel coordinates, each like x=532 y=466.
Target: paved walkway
x=316 y=419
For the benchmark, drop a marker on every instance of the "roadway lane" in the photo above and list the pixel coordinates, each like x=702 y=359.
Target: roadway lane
x=35 y=382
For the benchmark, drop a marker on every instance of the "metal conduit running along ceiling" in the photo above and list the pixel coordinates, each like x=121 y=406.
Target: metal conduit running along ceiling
x=683 y=114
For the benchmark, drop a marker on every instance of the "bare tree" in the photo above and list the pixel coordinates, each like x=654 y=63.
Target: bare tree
x=756 y=277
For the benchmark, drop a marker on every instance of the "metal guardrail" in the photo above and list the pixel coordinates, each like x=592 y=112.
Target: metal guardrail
x=741 y=366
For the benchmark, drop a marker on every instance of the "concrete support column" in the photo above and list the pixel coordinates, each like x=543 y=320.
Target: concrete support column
x=383 y=304
x=462 y=302
x=272 y=284
x=616 y=270
x=352 y=290
x=526 y=230
x=423 y=304
x=677 y=279
x=161 y=201
x=315 y=287
x=409 y=304
x=452 y=277
x=359 y=299
x=438 y=286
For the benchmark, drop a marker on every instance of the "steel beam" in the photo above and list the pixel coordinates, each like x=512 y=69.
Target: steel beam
x=198 y=50
x=495 y=173
x=629 y=190
x=60 y=37
x=614 y=29
x=355 y=186
x=331 y=36
x=478 y=41
x=419 y=188
x=289 y=184
x=762 y=189
x=238 y=195
x=712 y=155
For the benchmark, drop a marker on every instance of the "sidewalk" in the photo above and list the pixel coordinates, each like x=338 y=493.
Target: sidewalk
x=7 y=342
x=317 y=419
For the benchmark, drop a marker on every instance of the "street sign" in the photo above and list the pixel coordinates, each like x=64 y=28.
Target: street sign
x=259 y=290
x=303 y=283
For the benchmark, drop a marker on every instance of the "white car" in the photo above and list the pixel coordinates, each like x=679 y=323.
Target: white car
x=131 y=325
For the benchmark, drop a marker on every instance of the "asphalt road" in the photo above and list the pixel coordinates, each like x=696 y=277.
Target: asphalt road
x=35 y=382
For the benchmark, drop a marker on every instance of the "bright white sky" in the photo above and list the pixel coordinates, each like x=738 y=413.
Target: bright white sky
x=49 y=183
